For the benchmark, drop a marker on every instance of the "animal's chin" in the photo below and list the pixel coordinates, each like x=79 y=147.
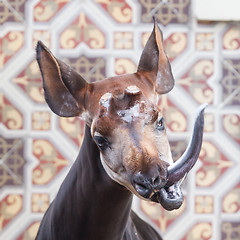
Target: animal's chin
x=169 y=197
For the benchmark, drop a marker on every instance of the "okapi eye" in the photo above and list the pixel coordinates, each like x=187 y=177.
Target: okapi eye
x=160 y=124
x=102 y=142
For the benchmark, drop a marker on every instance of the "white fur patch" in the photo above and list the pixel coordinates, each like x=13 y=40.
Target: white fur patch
x=105 y=100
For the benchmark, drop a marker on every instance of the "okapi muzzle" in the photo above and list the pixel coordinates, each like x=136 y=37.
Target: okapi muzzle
x=126 y=124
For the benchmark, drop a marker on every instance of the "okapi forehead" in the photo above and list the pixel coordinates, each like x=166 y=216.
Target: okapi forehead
x=128 y=107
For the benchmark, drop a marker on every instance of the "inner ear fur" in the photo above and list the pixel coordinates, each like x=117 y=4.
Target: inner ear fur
x=64 y=88
x=154 y=62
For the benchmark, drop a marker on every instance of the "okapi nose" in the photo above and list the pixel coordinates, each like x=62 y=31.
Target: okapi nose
x=145 y=184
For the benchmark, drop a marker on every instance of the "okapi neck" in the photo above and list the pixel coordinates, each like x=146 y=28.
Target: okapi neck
x=101 y=206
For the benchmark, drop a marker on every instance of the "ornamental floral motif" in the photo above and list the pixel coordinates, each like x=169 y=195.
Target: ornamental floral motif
x=162 y=218
x=214 y=165
x=175 y=44
x=199 y=231
x=204 y=204
x=82 y=30
x=10 y=44
x=11 y=162
x=73 y=128
x=124 y=66
x=123 y=40
x=30 y=233
x=10 y=117
x=119 y=10
x=231 y=39
x=41 y=121
x=230 y=231
x=176 y=121
x=51 y=162
x=231 y=202
x=10 y=207
x=91 y=69
x=231 y=81
x=30 y=81
x=12 y=11
x=41 y=35
x=40 y=202
x=169 y=11
x=45 y=10
x=195 y=81
x=231 y=123
x=204 y=41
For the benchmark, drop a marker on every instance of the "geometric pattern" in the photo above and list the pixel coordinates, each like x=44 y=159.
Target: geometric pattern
x=99 y=39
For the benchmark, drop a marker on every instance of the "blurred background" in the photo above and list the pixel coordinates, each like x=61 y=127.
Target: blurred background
x=102 y=38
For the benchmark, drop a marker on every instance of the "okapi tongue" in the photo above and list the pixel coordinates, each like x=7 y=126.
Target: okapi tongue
x=183 y=165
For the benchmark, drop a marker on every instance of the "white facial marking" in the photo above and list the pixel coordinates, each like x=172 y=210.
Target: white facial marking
x=105 y=100
x=133 y=89
x=128 y=114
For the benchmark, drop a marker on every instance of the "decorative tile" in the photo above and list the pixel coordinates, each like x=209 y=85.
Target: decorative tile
x=10 y=116
x=194 y=81
x=40 y=202
x=176 y=121
x=214 y=165
x=209 y=122
x=12 y=11
x=73 y=128
x=204 y=41
x=230 y=231
x=201 y=231
x=41 y=121
x=91 y=69
x=11 y=162
x=169 y=11
x=124 y=66
x=204 y=204
x=231 y=38
x=30 y=233
x=82 y=30
x=41 y=35
x=30 y=82
x=45 y=10
x=51 y=162
x=123 y=40
x=231 y=81
x=119 y=10
x=175 y=44
x=231 y=124
x=10 y=44
x=231 y=202
x=10 y=207
x=160 y=217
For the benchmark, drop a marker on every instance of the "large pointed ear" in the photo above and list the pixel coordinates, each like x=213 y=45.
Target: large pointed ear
x=64 y=88
x=154 y=61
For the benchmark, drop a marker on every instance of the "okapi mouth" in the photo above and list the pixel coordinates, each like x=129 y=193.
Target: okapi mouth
x=169 y=197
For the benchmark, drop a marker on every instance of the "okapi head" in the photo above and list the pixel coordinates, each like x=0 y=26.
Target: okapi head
x=126 y=123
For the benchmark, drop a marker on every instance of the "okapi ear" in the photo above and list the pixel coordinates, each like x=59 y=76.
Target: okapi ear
x=154 y=61
x=64 y=88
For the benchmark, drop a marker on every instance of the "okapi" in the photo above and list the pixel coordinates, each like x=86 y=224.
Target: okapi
x=125 y=149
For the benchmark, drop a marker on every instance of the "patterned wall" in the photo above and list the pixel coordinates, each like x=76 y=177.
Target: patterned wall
x=103 y=38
